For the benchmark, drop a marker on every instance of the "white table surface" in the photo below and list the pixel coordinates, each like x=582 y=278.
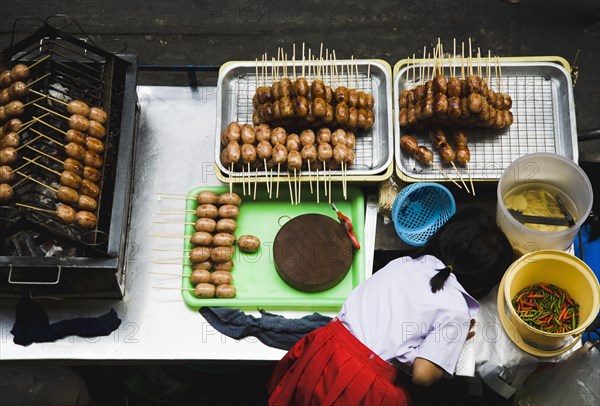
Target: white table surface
x=174 y=153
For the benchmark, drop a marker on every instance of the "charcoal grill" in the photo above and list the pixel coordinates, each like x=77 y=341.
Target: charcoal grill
x=40 y=254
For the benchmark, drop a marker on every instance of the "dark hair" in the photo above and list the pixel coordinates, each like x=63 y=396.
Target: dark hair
x=473 y=247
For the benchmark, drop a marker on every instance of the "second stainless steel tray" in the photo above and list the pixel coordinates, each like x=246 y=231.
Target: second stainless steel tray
x=374 y=148
x=544 y=120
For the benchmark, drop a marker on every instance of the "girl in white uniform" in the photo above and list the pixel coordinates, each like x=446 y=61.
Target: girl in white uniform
x=413 y=315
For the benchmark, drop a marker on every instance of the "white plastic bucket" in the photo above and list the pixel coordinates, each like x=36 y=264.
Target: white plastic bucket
x=546 y=169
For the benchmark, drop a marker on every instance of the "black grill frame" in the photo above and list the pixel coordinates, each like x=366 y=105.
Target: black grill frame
x=98 y=268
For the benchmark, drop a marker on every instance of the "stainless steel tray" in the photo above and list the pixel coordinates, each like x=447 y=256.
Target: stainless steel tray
x=374 y=148
x=544 y=120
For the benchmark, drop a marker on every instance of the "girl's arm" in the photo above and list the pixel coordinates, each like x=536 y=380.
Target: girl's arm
x=425 y=372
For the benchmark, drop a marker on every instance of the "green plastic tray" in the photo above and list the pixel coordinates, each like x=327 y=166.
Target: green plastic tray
x=255 y=278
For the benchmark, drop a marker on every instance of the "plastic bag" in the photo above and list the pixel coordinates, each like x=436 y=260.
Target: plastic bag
x=575 y=381
x=388 y=190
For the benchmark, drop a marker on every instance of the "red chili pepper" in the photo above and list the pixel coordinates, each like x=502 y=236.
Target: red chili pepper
x=545 y=288
x=535 y=296
x=569 y=300
x=562 y=313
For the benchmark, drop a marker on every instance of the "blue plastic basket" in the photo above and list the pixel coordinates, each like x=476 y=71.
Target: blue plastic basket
x=420 y=209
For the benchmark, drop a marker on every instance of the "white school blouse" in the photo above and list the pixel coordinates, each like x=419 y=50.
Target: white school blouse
x=396 y=315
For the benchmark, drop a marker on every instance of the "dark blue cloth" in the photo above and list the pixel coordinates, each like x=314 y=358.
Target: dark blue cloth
x=271 y=329
x=32 y=325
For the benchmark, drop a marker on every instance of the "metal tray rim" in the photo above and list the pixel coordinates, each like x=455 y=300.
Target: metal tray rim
x=387 y=86
x=558 y=63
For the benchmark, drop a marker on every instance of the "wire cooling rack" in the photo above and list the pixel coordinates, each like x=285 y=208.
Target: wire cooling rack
x=543 y=112
x=373 y=149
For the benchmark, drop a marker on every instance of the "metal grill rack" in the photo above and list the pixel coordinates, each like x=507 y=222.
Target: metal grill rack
x=543 y=111
x=373 y=149
x=34 y=243
x=66 y=73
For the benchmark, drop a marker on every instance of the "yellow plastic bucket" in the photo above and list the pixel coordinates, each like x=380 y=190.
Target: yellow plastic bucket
x=554 y=267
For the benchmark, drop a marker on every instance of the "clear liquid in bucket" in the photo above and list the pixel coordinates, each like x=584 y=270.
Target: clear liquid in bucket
x=539 y=199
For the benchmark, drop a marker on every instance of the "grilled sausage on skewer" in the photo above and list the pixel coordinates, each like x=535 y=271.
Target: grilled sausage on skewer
x=78 y=107
x=87 y=203
x=6 y=193
x=6 y=174
x=66 y=213
x=86 y=220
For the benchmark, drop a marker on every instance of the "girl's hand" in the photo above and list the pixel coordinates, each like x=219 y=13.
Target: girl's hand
x=471 y=333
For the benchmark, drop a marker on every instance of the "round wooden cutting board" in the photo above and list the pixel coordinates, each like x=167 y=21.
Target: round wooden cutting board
x=312 y=252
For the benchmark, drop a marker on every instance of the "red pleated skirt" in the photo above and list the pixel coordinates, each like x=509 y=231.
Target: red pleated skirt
x=330 y=366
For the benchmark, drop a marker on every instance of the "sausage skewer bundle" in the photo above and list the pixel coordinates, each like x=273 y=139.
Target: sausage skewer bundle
x=304 y=104
x=83 y=147
x=456 y=101
x=19 y=72
x=83 y=218
x=75 y=178
x=213 y=244
x=463 y=155
x=76 y=191
x=445 y=151
x=64 y=212
x=7 y=176
x=10 y=141
x=267 y=148
x=422 y=154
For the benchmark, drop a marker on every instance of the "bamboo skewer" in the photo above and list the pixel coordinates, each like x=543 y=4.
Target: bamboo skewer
x=278 y=179
x=171 y=274
x=42 y=166
x=243 y=182
x=172 y=249
x=255 y=184
x=37 y=80
x=325 y=178
x=318 y=192
x=231 y=178
x=294 y=59
x=487 y=68
x=180 y=289
x=479 y=61
x=290 y=184
x=170 y=236
x=187 y=223
x=39 y=61
x=329 y=194
x=300 y=187
x=159 y=260
x=44 y=154
x=36 y=181
x=36 y=208
x=462 y=61
x=174 y=196
x=26 y=145
x=173 y=211
x=470 y=178
x=310 y=177
x=39 y=120
x=296 y=185
x=271 y=187
x=454 y=58
x=460 y=177
x=24 y=165
x=445 y=174
x=47 y=137
x=500 y=73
